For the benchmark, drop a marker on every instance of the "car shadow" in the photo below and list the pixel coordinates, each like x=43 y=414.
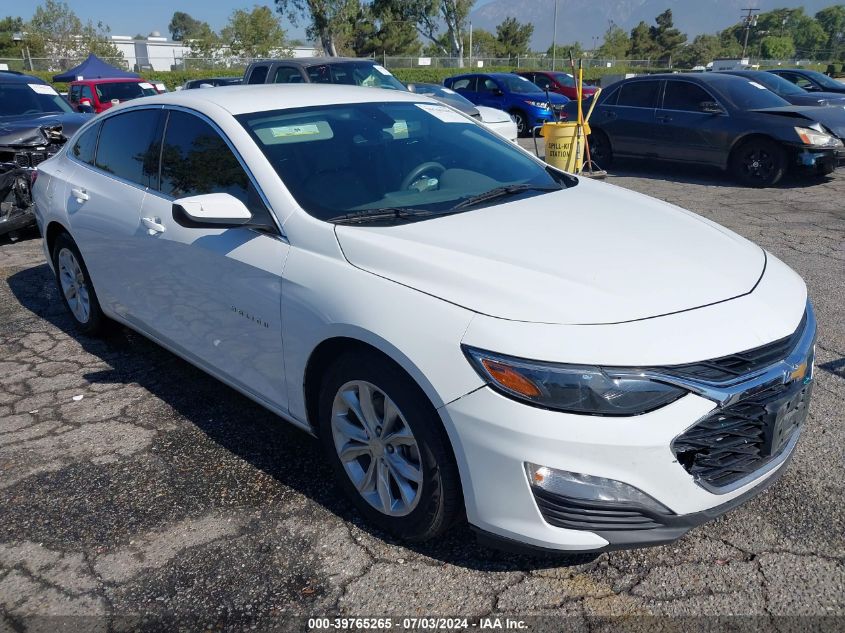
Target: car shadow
x=245 y=429
x=700 y=175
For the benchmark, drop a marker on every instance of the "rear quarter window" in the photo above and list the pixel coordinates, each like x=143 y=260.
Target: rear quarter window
x=86 y=145
x=127 y=149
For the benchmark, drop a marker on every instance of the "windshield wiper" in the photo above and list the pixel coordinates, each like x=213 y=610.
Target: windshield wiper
x=375 y=215
x=502 y=192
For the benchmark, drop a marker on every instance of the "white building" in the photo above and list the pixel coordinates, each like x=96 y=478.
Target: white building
x=160 y=53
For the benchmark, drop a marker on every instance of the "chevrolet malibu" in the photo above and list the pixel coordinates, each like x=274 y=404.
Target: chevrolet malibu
x=470 y=333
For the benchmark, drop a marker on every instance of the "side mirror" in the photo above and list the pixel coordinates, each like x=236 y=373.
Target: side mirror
x=711 y=107
x=211 y=211
x=85 y=106
x=497 y=92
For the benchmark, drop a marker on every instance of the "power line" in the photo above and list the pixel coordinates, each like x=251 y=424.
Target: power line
x=750 y=21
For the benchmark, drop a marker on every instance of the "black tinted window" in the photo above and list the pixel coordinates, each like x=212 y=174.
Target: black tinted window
x=84 y=148
x=259 y=75
x=682 y=95
x=638 y=94
x=126 y=148
x=196 y=160
x=287 y=75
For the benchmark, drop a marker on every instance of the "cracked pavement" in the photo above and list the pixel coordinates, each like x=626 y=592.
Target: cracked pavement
x=164 y=496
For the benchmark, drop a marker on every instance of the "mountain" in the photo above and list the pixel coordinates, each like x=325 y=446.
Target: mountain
x=583 y=20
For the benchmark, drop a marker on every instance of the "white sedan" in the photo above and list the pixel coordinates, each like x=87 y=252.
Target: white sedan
x=470 y=332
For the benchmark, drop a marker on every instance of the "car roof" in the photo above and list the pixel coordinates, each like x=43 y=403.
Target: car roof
x=704 y=78
x=14 y=77
x=310 y=61
x=265 y=97
x=107 y=80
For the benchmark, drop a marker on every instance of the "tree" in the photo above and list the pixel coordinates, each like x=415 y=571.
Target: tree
x=184 y=27
x=561 y=51
x=256 y=33
x=63 y=37
x=615 y=45
x=430 y=15
x=514 y=38
x=667 y=39
x=8 y=27
x=642 y=45
x=378 y=31
x=484 y=43
x=703 y=50
x=329 y=20
x=777 y=47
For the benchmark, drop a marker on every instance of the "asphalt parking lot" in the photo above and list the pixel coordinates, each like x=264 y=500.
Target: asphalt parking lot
x=133 y=485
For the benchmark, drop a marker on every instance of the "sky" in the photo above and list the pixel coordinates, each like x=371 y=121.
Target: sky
x=128 y=17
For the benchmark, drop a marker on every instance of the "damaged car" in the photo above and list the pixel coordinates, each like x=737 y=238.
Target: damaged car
x=717 y=119
x=35 y=121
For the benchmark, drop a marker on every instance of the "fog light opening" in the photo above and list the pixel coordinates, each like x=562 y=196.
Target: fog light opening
x=590 y=488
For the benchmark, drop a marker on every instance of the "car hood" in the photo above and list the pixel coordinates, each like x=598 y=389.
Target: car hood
x=29 y=130
x=492 y=115
x=817 y=98
x=555 y=98
x=591 y=254
x=832 y=118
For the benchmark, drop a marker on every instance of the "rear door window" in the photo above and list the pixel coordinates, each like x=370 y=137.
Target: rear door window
x=86 y=145
x=128 y=147
x=287 y=75
x=466 y=84
x=258 y=75
x=686 y=96
x=638 y=94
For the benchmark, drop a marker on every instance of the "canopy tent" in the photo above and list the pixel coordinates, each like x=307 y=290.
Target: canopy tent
x=94 y=68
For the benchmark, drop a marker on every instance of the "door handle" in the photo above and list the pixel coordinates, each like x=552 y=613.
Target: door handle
x=154 y=225
x=80 y=194
x=664 y=119
x=609 y=115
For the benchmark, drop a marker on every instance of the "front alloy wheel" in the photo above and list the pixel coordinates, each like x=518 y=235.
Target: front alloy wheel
x=387 y=446
x=377 y=448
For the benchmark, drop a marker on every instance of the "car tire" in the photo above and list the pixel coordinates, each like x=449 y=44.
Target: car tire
x=601 y=152
x=759 y=162
x=75 y=287
x=522 y=123
x=392 y=458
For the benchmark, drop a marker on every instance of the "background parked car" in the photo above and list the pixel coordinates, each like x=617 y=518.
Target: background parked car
x=714 y=119
x=35 y=121
x=499 y=121
x=212 y=82
x=790 y=91
x=511 y=93
x=322 y=70
x=559 y=82
x=810 y=80
x=101 y=94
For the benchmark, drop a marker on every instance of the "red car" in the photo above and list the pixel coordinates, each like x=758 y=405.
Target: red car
x=98 y=95
x=556 y=81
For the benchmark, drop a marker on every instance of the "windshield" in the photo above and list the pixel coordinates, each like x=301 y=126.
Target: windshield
x=564 y=79
x=354 y=74
x=778 y=84
x=749 y=95
x=23 y=99
x=124 y=90
x=354 y=158
x=517 y=84
x=823 y=80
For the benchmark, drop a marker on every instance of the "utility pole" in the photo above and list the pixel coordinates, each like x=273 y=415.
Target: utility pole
x=750 y=21
x=554 y=38
x=470 y=44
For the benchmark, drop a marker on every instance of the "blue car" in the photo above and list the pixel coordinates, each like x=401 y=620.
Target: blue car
x=524 y=100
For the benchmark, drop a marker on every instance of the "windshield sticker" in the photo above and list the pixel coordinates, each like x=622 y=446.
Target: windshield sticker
x=43 y=89
x=442 y=112
x=308 y=129
x=759 y=86
x=146 y=86
x=382 y=70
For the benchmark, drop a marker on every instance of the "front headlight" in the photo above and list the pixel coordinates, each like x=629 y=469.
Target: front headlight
x=572 y=388
x=815 y=138
x=537 y=104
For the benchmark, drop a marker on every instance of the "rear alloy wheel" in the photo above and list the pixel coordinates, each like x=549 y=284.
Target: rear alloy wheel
x=388 y=448
x=759 y=163
x=75 y=287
